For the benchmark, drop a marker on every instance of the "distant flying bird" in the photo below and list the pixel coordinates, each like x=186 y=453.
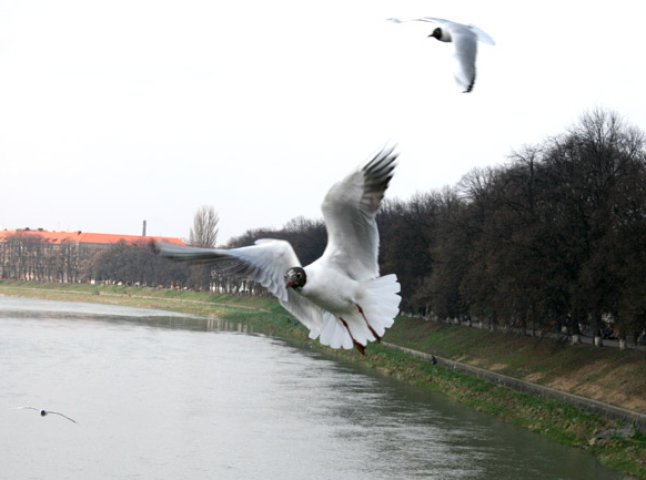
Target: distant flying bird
x=44 y=413
x=465 y=38
x=340 y=297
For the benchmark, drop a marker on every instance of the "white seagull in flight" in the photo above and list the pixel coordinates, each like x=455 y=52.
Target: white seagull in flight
x=44 y=413
x=465 y=38
x=340 y=297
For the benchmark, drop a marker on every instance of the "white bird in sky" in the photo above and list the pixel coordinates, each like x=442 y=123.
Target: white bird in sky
x=44 y=413
x=340 y=297
x=465 y=38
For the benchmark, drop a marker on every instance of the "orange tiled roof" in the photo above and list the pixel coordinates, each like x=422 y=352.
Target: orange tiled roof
x=83 y=237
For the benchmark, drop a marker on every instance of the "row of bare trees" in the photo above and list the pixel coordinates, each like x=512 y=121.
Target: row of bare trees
x=556 y=238
x=25 y=256
x=139 y=264
x=28 y=255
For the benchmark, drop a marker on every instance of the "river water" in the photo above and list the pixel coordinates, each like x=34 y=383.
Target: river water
x=162 y=396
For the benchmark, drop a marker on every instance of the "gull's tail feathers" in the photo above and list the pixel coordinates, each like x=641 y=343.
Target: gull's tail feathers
x=379 y=301
x=376 y=309
x=334 y=334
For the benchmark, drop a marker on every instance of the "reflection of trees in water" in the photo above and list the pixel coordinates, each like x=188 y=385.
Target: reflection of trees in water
x=195 y=323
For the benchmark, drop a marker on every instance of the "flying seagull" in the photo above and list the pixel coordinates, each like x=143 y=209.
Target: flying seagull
x=340 y=297
x=465 y=38
x=44 y=413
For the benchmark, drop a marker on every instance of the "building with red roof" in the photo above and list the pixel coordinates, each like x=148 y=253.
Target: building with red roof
x=85 y=238
x=62 y=256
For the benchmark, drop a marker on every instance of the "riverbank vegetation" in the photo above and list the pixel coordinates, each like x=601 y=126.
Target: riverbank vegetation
x=528 y=358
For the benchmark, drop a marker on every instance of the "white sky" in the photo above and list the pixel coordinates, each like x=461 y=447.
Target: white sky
x=112 y=112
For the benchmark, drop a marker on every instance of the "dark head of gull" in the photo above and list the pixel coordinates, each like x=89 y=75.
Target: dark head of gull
x=295 y=277
x=441 y=35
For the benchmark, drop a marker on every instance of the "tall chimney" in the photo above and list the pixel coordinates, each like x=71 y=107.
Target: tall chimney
x=144 y=233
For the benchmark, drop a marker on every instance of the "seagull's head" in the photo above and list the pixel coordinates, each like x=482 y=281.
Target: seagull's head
x=295 y=277
x=437 y=33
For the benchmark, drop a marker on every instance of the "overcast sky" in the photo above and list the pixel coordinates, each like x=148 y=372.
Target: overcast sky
x=112 y=112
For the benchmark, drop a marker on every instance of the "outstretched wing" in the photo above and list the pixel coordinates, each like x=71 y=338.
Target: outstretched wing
x=349 y=210
x=265 y=262
x=49 y=412
x=466 y=49
x=481 y=34
x=439 y=21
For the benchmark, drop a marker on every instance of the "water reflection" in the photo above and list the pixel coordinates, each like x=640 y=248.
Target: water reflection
x=14 y=307
x=174 y=402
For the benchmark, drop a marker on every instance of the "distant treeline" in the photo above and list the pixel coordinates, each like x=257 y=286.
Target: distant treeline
x=555 y=238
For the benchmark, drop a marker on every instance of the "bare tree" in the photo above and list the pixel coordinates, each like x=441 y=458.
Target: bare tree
x=203 y=234
x=205 y=227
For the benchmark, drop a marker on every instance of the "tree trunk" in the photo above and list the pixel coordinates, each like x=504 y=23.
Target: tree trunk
x=596 y=329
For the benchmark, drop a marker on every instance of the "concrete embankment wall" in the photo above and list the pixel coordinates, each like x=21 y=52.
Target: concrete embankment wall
x=587 y=404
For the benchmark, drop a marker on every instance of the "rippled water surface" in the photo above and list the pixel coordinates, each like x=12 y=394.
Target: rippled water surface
x=159 y=396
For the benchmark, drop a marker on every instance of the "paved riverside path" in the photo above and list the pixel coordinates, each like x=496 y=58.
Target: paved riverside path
x=593 y=406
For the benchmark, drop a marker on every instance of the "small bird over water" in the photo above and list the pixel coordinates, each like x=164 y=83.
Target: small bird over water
x=465 y=38
x=44 y=413
x=341 y=297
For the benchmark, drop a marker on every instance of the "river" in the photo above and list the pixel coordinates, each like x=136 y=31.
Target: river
x=163 y=396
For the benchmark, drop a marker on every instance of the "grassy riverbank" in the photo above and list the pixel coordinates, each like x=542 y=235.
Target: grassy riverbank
x=605 y=374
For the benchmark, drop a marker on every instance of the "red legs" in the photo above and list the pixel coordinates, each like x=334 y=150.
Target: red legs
x=357 y=345
x=371 y=329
